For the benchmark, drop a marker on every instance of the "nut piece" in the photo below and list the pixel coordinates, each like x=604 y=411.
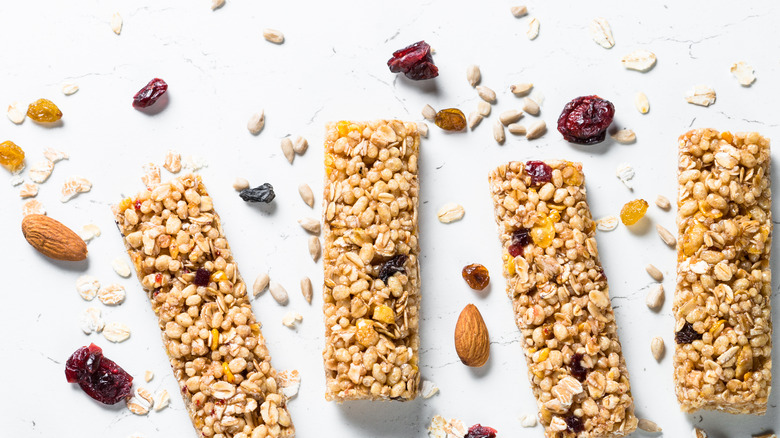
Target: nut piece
x=657 y=348
x=422 y=128
x=429 y=113
x=487 y=94
x=261 y=282
x=528 y=420
x=471 y=337
x=116 y=332
x=530 y=106
x=121 y=267
x=315 y=249
x=53 y=239
x=450 y=212
x=516 y=129
x=116 y=23
x=428 y=389
x=521 y=89
x=279 y=293
x=519 y=11
x=473 y=75
x=474 y=118
x=216 y=4
x=310 y=224
x=701 y=95
x=17 y=112
x=743 y=73
x=148 y=375
x=256 y=122
x=662 y=202
x=484 y=108
x=536 y=129
x=306 y=194
x=533 y=29
x=624 y=136
x=69 y=89
x=655 y=298
x=639 y=60
x=654 y=272
x=601 y=32
x=498 y=132
x=306 y=289
x=287 y=149
x=510 y=116
x=291 y=319
x=300 y=145
x=647 y=425
x=240 y=184
x=641 y=103
x=666 y=236
x=273 y=35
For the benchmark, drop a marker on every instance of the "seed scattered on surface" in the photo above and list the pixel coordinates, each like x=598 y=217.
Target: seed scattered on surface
x=121 y=267
x=17 y=112
x=516 y=129
x=662 y=202
x=607 y=223
x=624 y=136
x=639 y=60
x=648 y=426
x=625 y=173
x=655 y=298
x=429 y=113
x=256 y=122
x=273 y=35
x=473 y=75
x=519 y=11
x=261 y=283
x=657 y=348
x=498 y=132
x=428 y=389
x=666 y=236
x=116 y=332
x=300 y=145
x=68 y=89
x=306 y=194
x=116 y=23
x=450 y=212
x=536 y=129
x=533 y=29
x=743 y=73
x=474 y=118
x=306 y=289
x=654 y=272
x=601 y=32
x=641 y=103
x=216 y=4
x=701 y=95
x=486 y=94
x=287 y=149
x=314 y=248
x=528 y=420
x=521 y=89
x=291 y=319
x=484 y=108
x=510 y=116
x=148 y=376
x=530 y=106
x=422 y=128
x=310 y=224
x=240 y=184
x=279 y=293
x=162 y=399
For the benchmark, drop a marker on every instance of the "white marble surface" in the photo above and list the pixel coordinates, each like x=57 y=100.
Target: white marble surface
x=332 y=66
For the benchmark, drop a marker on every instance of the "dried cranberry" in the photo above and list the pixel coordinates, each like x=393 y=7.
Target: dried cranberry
x=687 y=334
x=539 y=172
x=574 y=424
x=480 y=431
x=148 y=95
x=390 y=267
x=414 y=61
x=98 y=376
x=202 y=277
x=520 y=239
x=577 y=370
x=585 y=120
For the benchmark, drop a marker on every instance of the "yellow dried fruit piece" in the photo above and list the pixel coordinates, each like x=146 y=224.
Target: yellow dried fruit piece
x=343 y=128
x=365 y=333
x=384 y=314
x=571 y=175
x=125 y=204
x=633 y=211
x=717 y=328
x=744 y=361
x=709 y=211
x=219 y=276
x=544 y=232
x=214 y=339
x=11 y=155
x=693 y=238
x=228 y=374
x=44 y=110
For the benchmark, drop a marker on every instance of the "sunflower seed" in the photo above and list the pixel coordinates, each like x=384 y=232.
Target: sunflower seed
x=473 y=75
x=279 y=293
x=536 y=129
x=116 y=23
x=273 y=36
x=510 y=116
x=474 y=118
x=428 y=389
x=607 y=223
x=521 y=89
x=533 y=29
x=484 y=108
x=16 y=112
x=261 y=282
x=743 y=73
x=287 y=149
x=314 y=248
x=654 y=272
x=625 y=174
x=516 y=129
x=655 y=298
x=498 y=132
x=647 y=425
x=450 y=212
x=91 y=321
x=240 y=184
x=486 y=94
x=116 y=332
x=429 y=113
x=216 y=4
x=639 y=60
x=68 y=89
x=601 y=33
x=624 y=136
x=256 y=122
x=422 y=128
x=519 y=11
x=530 y=106
x=162 y=398
x=306 y=289
x=121 y=267
x=300 y=145
x=641 y=103
x=148 y=376
x=310 y=224
x=662 y=202
x=306 y=194
x=701 y=95
x=657 y=348
x=666 y=236
x=528 y=420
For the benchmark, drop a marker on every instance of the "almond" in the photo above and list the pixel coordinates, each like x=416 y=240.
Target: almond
x=471 y=337
x=53 y=239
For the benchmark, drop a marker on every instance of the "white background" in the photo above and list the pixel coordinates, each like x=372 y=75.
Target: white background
x=332 y=66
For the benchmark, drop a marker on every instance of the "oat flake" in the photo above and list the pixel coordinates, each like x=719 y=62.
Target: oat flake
x=137 y=407
x=116 y=23
x=33 y=206
x=291 y=319
x=601 y=32
x=450 y=212
x=624 y=136
x=90 y=320
x=111 y=295
x=528 y=420
x=116 y=332
x=17 y=112
x=625 y=174
x=701 y=95
x=73 y=186
x=172 y=161
x=16 y=180
x=290 y=382
x=161 y=400
x=607 y=223
x=40 y=171
x=428 y=389
x=743 y=73
x=28 y=190
x=54 y=155
x=69 y=89
x=87 y=286
x=533 y=29
x=639 y=60
x=89 y=232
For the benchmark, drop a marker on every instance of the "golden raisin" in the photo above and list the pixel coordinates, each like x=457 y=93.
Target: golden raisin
x=384 y=314
x=476 y=275
x=451 y=119
x=44 y=110
x=543 y=232
x=633 y=211
x=11 y=155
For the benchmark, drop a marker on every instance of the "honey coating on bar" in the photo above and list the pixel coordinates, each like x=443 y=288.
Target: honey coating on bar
x=723 y=328
x=371 y=287
x=561 y=300
x=217 y=352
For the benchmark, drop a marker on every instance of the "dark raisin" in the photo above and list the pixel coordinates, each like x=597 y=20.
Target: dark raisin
x=520 y=238
x=577 y=370
x=98 y=376
x=476 y=275
x=574 y=424
x=414 y=61
x=148 y=95
x=202 y=277
x=585 y=120
x=262 y=193
x=539 y=172
x=687 y=334
x=480 y=431
x=390 y=267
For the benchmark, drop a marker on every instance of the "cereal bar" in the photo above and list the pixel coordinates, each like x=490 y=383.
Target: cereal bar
x=218 y=354
x=561 y=300
x=372 y=280
x=723 y=330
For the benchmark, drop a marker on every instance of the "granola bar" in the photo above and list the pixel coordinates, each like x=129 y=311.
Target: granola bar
x=723 y=328
x=561 y=300
x=372 y=280
x=217 y=352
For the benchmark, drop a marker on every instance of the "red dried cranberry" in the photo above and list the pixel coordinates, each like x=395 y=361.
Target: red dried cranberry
x=520 y=239
x=539 y=172
x=98 y=376
x=480 y=431
x=585 y=120
x=574 y=424
x=202 y=277
x=687 y=334
x=414 y=61
x=148 y=95
x=390 y=267
x=577 y=370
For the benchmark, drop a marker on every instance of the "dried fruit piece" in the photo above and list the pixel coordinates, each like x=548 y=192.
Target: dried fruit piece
x=476 y=276
x=53 y=239
x=11 y=155
x=539 y=172
x=743 y=73
x=393 y=266
x=543 y=232
x=575 y=366
x=639 y=60
x=44 y=111
x=520 y=239
x=16 y=112
x=202 y=277
x=687 y=334
x=480 y=431
x=414 y=61
x=585 y=120
x=98 y=376
x=632 y=211
x=150 y=93
x=574 y=424
x=450 y=119
x=601 y=32
x=262 y=193
x=701 y=95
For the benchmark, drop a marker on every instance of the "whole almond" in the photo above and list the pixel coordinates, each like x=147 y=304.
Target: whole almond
x=471 y=337
x=53 y=239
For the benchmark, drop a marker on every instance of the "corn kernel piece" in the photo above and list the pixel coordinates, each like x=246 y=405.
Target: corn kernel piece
x=214 y=339
x=365 y=333
x=343 y=127
x=717 y=328
x=726 y=135
x=255 y=329
x=228 y=374
x=219 y=276
x=384 y=314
